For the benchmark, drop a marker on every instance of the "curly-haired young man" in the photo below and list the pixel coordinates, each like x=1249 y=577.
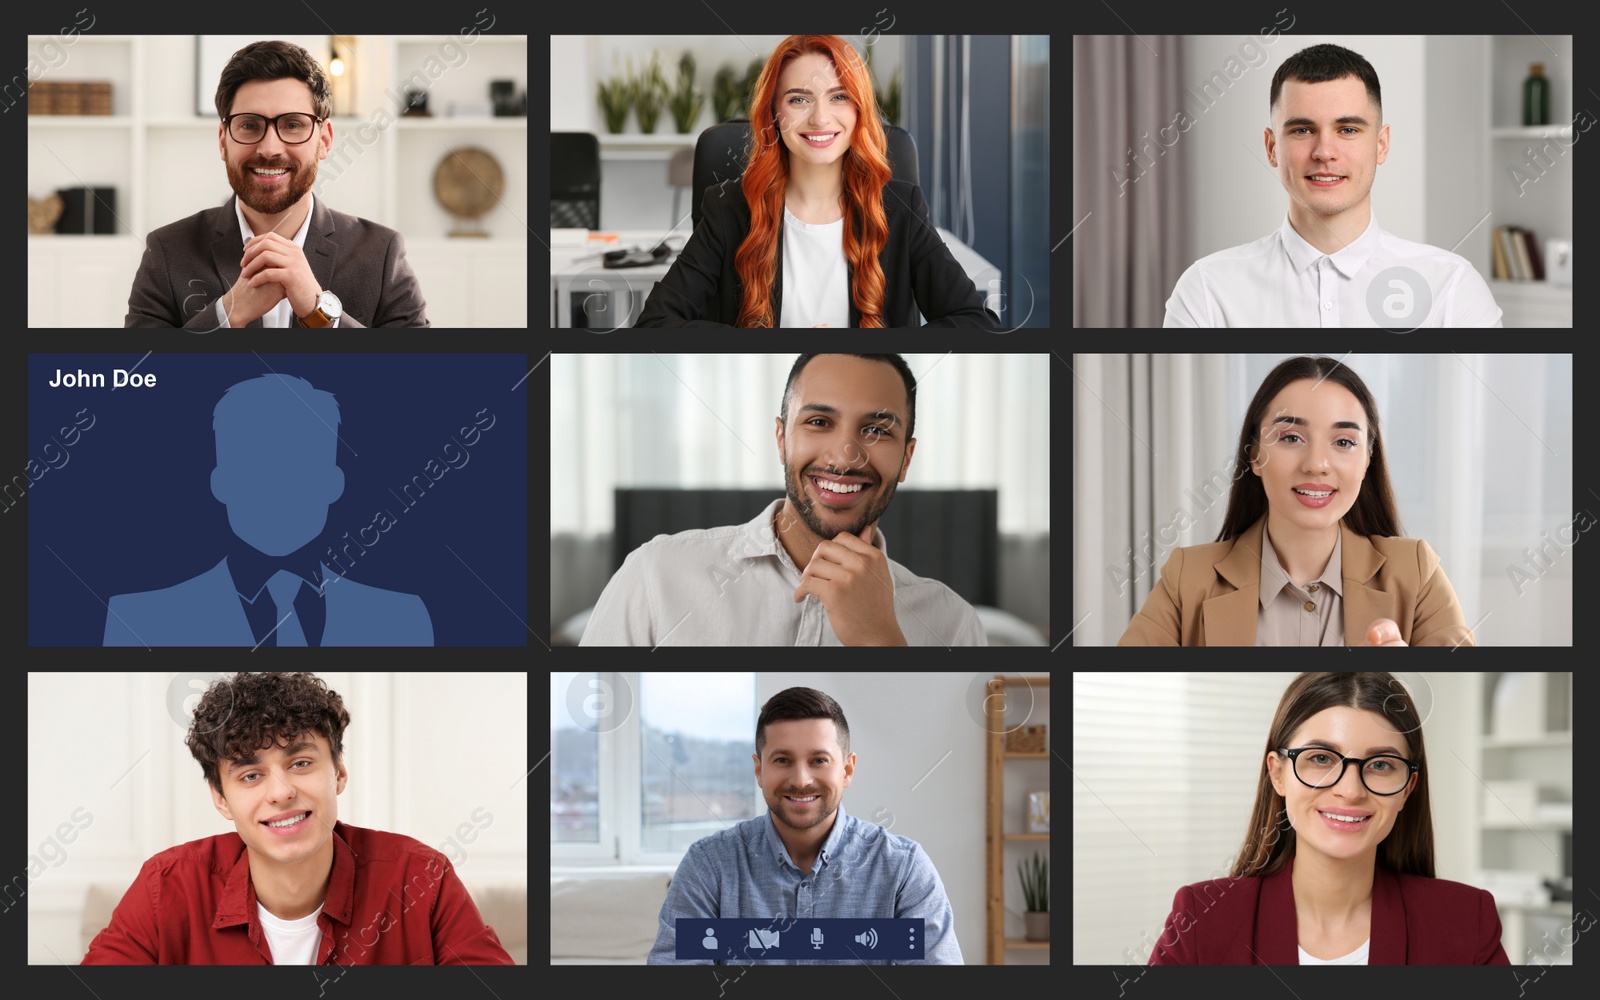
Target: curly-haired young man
x=291 y=885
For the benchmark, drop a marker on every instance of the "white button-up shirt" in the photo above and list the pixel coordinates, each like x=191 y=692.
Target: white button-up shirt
x=1378 y=280
x=734 y=586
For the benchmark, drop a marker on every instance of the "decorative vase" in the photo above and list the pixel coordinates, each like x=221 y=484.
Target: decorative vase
x=1037 y=926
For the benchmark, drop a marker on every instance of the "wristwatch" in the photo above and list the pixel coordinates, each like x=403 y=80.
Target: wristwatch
x=327 y=311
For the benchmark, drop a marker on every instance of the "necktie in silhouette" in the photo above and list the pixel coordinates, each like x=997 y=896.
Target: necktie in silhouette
x=283 y=586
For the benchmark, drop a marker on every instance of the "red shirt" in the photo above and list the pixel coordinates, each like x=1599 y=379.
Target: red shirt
x=392 y=900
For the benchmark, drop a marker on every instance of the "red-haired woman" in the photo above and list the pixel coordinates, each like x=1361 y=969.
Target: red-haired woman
x=818 y=215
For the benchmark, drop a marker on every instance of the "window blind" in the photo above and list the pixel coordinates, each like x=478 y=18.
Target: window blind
x=1164 y=775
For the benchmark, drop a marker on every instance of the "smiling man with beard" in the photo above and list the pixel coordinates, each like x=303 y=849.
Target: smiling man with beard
x=274 y=255
x=807 y=858
x=812 y=569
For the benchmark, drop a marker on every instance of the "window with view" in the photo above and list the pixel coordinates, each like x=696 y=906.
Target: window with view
x=644 y=764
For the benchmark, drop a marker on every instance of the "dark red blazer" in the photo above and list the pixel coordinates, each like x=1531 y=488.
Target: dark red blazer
x=1251 y=921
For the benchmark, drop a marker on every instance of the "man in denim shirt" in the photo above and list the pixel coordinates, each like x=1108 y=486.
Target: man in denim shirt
x=807 y=858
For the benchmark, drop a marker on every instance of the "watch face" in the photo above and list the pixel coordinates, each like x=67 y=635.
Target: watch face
x=329 y=303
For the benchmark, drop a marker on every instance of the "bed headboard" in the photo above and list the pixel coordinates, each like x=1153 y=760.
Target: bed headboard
x=952 y=536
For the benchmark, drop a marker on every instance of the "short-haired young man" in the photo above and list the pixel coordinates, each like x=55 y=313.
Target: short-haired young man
x=291 y=885
x=1330 y=264
x=807 y=858
x=273 y=255
x=813 y=568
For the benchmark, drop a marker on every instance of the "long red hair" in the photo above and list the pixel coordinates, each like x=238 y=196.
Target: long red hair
x=865 y=167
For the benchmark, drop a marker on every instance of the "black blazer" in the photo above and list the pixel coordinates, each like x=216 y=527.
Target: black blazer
x=703 y=289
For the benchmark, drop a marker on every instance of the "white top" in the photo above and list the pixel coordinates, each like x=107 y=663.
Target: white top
x=282 y=314
x=1357 y=957
x=1379 y=280
x=816 y=279
x=292 y=942
x=734 y=586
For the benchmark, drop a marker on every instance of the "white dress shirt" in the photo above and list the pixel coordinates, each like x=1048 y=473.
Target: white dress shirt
x=734 y=586
x=282 y=314
x=1379 y=280
x=816 y=279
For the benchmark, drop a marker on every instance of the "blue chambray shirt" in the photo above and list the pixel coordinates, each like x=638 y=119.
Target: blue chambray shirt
x=862 y=870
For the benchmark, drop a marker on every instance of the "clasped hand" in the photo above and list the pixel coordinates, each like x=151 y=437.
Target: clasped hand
x=272 y=269
x=851 y=579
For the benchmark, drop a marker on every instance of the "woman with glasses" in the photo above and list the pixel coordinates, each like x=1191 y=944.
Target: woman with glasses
x=1337 y=863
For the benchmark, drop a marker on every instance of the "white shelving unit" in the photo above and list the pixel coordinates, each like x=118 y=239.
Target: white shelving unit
x=1545 y=205
x=163 y=161
x=1527 y=843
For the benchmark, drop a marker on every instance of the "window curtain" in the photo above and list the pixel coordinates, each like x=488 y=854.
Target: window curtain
x=1479 y=450
x=708 y=420
x=1127 y=255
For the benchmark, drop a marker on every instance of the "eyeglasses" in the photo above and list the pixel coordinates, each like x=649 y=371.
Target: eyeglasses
x=293 y=128
x=1319 y=767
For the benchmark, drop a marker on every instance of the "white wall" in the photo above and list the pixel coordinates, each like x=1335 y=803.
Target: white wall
x=109 y=771
x=1232 y=194
x=900 y=727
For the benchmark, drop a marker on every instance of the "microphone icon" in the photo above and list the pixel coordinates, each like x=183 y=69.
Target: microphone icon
x=816 y=939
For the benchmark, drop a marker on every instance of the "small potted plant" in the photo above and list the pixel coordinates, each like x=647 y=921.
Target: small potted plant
x=888 y=100
x=725 y=93
x=686 y=102
x=616 y=97
x=1035 y=876
x=650 y=94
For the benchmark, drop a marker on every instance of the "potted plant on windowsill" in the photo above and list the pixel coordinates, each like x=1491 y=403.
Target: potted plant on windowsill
x=1035 y=876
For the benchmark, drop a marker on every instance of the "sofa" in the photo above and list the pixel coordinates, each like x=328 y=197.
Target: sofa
x=605 y=919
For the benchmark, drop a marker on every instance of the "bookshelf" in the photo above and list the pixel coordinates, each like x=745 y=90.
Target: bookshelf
x=1011 y=701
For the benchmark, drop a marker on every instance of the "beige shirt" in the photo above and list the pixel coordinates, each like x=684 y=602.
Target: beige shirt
x=1292 y=615
x=734 y=586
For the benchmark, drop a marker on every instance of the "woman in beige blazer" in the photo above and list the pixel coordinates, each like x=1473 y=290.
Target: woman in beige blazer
x=1311 y=512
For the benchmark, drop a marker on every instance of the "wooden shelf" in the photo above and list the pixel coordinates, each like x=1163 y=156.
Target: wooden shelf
x=998 y=880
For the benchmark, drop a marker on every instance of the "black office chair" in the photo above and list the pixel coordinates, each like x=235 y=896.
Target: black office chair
x=574 y=180
x=720 y=155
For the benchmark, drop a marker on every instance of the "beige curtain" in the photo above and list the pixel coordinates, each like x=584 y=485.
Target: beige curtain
x=1127 y=255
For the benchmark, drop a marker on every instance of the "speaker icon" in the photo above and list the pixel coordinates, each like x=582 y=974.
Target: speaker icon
x=870 y=938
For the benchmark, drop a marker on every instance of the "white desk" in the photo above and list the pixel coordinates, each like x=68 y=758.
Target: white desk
x=616 y=296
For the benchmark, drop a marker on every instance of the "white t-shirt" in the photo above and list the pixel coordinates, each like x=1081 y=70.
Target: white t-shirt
x=1357 y=957
x=816 y=279
x=292 y=942
x=1379 y=280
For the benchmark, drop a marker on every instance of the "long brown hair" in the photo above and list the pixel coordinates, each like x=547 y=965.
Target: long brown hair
x=1374 y=511
x=1269 y=843
x=865 y=170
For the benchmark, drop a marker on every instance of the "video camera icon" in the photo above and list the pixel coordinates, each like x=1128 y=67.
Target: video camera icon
x=870 y=938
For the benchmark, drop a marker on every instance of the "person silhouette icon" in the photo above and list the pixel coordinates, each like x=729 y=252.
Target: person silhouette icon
x=710 y=942
x=277 y=474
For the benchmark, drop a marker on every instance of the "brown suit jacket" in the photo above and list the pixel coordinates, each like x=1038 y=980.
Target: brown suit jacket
x=1209 y=595
x=188 y=265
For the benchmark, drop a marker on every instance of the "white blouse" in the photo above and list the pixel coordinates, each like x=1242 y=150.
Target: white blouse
x=816 y=280
x=1357 y=957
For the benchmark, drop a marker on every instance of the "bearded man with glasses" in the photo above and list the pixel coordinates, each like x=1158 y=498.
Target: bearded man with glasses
x=273 y=255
